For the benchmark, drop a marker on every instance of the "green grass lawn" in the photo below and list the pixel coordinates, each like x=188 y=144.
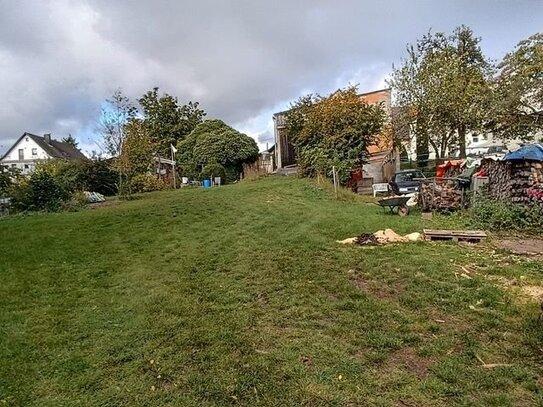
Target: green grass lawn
x=240 y=295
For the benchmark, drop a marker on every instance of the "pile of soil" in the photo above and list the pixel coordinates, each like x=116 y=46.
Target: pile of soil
x=366 y=239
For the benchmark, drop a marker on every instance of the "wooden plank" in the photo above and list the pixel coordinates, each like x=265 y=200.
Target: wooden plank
x=455 y=232
x=455 y=235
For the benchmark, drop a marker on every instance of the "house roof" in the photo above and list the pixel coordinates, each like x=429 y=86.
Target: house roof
x=55 y=149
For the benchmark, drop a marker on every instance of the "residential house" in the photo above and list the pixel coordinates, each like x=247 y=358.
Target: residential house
x=30 y=148
x=266 y=160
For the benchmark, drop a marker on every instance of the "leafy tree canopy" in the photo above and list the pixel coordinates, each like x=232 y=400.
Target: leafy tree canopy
x=214 y=142
x=443 y=88
x=166 y=121
x=335 y=130
x=519 y=91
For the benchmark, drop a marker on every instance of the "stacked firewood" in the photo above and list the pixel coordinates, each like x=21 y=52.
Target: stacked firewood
x=499 y=178
x=514 y=180
x=526 y=177
x=440 y=195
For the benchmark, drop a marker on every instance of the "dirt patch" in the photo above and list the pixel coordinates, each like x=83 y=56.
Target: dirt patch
x=533 y=291
x=105 y=204
x=526 y=247
x=403 y=403
x=380 y=289
x=408 y=360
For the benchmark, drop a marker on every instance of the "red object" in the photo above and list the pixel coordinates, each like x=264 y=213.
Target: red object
x=442 y=169
x=355 y=177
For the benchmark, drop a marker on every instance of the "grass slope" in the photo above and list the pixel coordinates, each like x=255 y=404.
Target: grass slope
x=239 y=295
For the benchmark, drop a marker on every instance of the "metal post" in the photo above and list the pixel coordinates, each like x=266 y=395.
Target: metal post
x=173 y=169
x=335 y=179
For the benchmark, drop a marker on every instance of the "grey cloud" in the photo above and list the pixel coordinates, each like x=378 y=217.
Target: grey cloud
x=265 y=137
x=241 y=59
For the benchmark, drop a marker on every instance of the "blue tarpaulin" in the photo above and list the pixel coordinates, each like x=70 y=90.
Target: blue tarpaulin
x=530 y=152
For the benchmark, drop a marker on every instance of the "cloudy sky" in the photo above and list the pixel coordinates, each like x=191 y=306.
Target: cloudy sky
x=241 y=59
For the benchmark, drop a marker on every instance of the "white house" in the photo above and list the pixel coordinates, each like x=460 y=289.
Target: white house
x=30 y=148
x=476 y=145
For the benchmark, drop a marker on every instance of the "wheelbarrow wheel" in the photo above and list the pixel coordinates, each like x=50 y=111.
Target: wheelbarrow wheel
x=403 y=210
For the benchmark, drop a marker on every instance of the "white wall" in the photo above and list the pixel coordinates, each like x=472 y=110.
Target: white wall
x=472 y=147
x=28 y=162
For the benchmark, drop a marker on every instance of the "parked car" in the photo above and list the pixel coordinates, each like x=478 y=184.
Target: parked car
x=403 y=182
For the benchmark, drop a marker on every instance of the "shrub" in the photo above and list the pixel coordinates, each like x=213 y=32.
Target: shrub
x=77 y=201
x=99 y=176
x=488 y=212
x=45 y=193
x=68 y=174
x=8 y=178
x=20 y=196
x=147 y=183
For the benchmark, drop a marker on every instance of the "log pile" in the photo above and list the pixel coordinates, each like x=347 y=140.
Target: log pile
x=440 y=195
x=514 y=180
x=499 y=178
x=526 y=176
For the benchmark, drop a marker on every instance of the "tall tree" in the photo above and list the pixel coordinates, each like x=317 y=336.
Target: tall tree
x=118 y=111
x=166 y=121
x=443 y=87
x=335 y=130
x=70 y=140
x=518 y=105
x=136 y=155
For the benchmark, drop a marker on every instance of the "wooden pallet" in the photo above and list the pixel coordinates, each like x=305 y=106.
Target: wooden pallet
x=473 y=236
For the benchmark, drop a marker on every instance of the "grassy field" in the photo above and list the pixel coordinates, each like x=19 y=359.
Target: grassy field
x=240 y=295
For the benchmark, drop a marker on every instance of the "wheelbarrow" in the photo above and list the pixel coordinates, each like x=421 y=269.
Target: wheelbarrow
x=395 y=204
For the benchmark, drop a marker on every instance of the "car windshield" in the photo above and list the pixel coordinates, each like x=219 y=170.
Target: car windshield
x=408 y=176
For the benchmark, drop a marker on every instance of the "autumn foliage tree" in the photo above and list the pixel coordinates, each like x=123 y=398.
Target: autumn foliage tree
x=335 y=130
x=136 y=156
x=118 y=111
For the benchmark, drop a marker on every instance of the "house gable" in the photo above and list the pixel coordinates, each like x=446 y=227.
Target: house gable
x=31 y=150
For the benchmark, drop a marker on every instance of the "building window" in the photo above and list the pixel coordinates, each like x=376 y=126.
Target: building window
x=34 y=151
x=475 y=139
x=26 y=167
x=13 y=165
x=21 y=154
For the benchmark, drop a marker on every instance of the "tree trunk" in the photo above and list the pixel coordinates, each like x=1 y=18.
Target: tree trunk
x=444 y=145
x=462 y=140
x=436 y=149
x=422 y=149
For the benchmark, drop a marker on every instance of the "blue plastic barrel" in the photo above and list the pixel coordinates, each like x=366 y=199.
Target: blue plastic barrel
x=207 y=183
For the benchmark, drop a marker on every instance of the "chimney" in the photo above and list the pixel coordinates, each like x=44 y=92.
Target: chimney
x=47 y=138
